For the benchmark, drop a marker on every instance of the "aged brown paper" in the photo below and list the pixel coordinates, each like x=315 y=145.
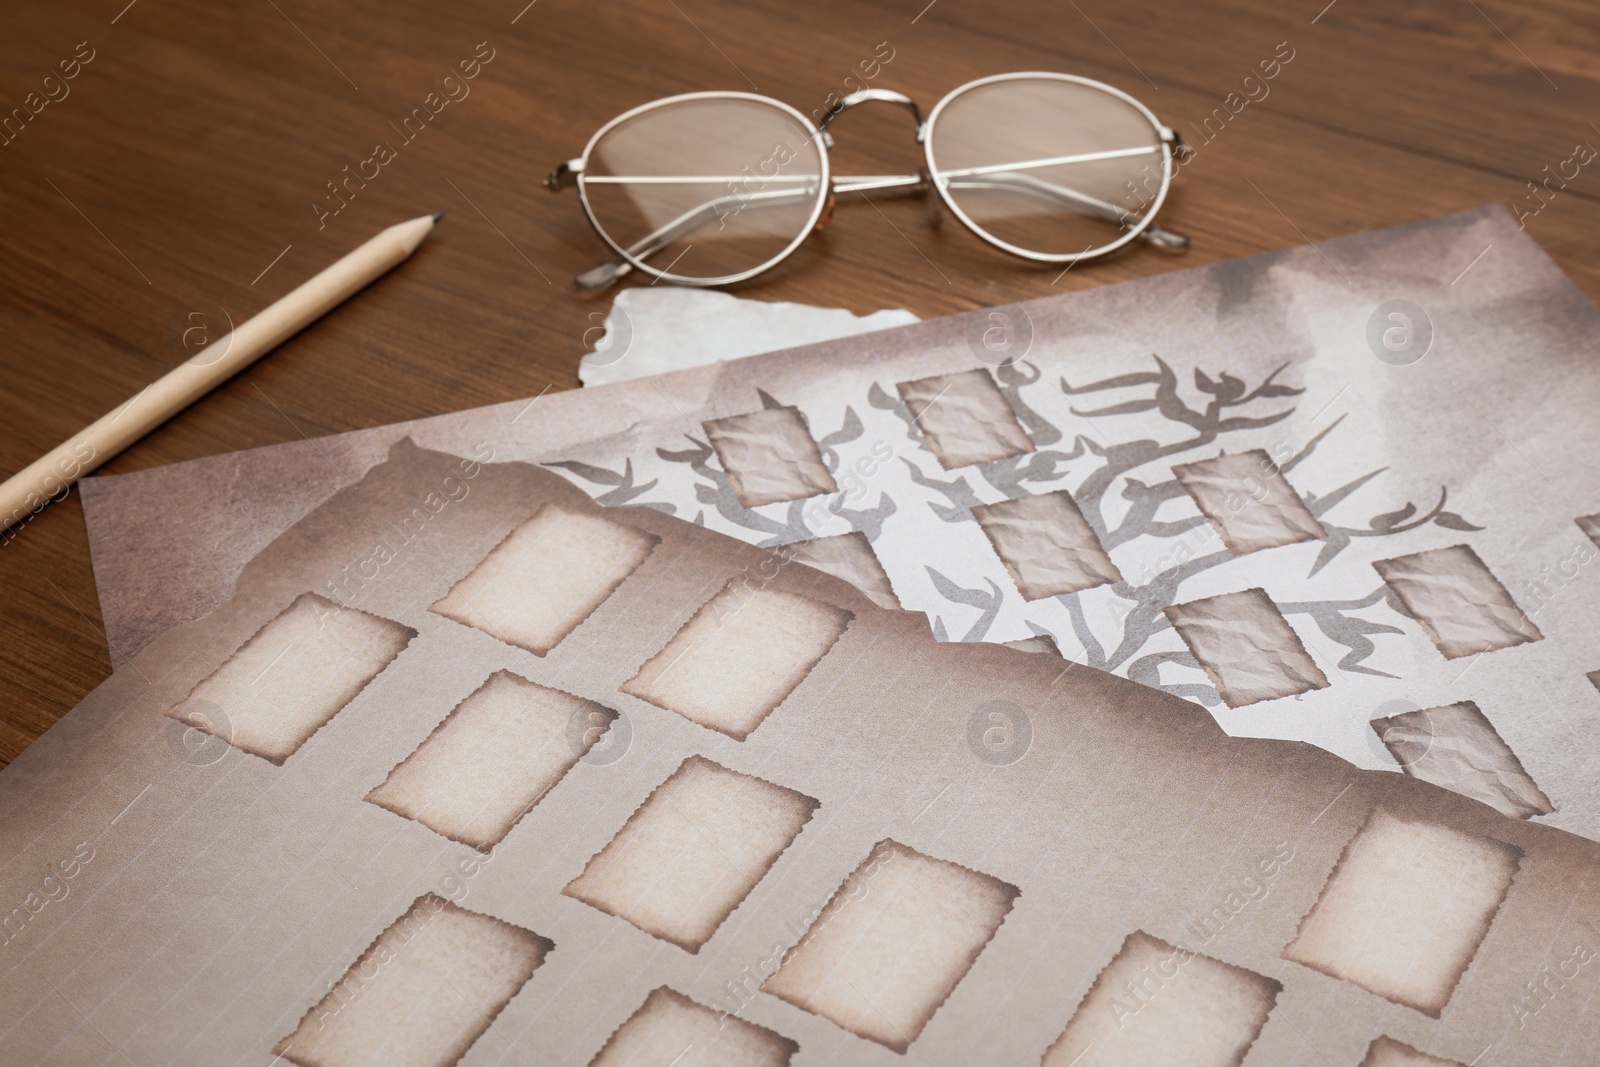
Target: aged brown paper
x=957 y=853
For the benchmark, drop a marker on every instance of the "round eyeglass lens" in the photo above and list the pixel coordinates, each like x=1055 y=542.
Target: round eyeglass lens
x=1045 y=166
x=705 y=189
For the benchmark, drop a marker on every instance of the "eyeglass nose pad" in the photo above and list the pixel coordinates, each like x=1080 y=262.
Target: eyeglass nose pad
x=827 y=213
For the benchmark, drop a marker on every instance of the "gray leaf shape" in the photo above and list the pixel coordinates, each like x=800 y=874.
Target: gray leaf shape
x=989 y=602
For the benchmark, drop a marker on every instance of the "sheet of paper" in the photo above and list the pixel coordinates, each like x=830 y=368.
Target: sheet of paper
x=1309 y=490
x=725 y=809
x=654 y=329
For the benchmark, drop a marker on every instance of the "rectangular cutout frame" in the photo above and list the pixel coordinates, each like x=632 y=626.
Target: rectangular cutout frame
x=1457 y=601
x=1456 y=748
x=694 y=849
x=1246 y=647
x=547 y=576
x=293 y=676
x=671 y=1029
x=848 y=557
x=965 y=418
x=1405 y=909
x=425 y=989
x=1158 y=1005
x=1387 y=1052
x=892 y=944
x=739 y=657
x=1047 y=546
x=770 y=456
x=1249 y=502
x=492 y=758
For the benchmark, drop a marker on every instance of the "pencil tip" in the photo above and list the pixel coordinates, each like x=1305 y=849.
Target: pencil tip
x=437 y=215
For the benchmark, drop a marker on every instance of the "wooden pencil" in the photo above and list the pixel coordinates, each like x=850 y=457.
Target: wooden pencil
x=48 y=478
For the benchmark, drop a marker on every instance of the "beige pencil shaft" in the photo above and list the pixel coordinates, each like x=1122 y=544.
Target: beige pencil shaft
x=49 y=476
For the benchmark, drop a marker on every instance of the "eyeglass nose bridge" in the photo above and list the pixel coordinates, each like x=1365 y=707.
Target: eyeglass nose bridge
x=888 y=96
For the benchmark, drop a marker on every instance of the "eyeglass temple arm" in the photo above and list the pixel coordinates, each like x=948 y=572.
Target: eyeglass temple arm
x=1166 y=240
x=610 y=272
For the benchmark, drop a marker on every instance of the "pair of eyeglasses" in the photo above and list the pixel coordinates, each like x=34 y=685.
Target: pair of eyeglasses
x=714 y=188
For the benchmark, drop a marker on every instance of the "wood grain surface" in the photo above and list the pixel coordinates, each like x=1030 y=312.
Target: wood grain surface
x=177 y=175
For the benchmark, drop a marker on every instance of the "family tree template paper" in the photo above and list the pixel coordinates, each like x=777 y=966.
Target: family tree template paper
x=1342 y=494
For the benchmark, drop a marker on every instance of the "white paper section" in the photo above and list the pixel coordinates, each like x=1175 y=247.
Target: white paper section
x=651 y=329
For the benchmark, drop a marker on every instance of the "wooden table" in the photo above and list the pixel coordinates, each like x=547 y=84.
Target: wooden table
x=177 y=172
